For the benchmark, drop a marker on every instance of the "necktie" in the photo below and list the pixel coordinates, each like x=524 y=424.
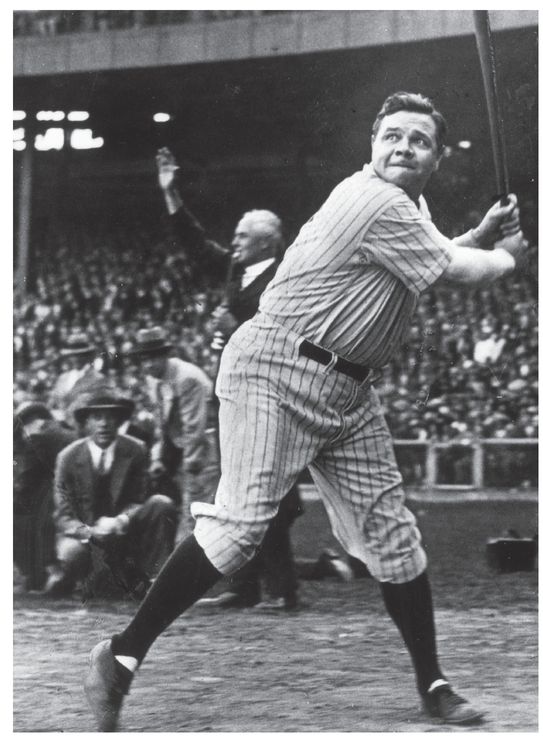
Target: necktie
x=102 y=500
x=101 y=468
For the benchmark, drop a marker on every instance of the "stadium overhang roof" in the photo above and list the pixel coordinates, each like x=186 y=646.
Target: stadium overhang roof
x=248 y=37
x=318 y=102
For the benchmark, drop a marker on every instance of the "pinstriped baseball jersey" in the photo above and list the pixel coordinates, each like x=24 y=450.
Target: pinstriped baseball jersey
x=351 y=279
x=349 y=282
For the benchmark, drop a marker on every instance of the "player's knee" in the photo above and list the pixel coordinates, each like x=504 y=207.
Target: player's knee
x=229 y=545
x=397 y=566
x=393 y=550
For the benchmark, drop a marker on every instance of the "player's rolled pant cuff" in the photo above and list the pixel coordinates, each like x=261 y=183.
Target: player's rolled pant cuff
x=405 y=568
x=228 y=545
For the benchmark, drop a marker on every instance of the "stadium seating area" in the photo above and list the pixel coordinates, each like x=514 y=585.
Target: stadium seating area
x=468 y=368
x=53 y=22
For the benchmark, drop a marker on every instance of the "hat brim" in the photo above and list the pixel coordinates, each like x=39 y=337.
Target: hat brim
x=160 y=350
x=32 y=411
x=124 y=410
x=77 y=351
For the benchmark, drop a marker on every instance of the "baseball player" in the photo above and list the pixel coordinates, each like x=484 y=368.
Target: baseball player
x=294 y=391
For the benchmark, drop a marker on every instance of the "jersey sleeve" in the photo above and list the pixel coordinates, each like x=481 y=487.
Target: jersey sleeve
x=404 y=241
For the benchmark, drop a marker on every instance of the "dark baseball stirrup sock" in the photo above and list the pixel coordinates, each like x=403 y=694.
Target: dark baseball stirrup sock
x=410 y=606
x=184 y=578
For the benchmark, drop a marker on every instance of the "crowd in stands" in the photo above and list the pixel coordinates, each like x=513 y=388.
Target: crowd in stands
x=53 y=22
x=468 y=368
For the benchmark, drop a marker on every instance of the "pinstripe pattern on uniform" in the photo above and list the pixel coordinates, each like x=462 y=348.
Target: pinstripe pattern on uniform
x=280 y=413
x=408 y=245
x=349 y=282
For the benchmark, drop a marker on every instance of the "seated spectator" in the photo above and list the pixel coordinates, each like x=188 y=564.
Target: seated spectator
x=37 y=440
x=101 y=501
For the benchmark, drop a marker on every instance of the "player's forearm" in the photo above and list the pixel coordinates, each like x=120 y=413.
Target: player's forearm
x=468 y=240
x=475 y=267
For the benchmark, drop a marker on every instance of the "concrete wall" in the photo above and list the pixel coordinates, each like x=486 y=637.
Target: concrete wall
x=297 y=32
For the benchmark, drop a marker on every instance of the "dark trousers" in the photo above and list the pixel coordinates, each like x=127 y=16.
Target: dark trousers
x=273 y=564
x=141 y=551
x=33 y=547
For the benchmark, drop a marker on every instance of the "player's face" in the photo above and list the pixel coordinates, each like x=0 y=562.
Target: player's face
x=153 y=365
x=102 y=425
x=405 y=152
x=248 y=243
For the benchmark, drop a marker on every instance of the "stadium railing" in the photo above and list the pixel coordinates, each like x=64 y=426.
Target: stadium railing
x=469 y=464
x=465 y=469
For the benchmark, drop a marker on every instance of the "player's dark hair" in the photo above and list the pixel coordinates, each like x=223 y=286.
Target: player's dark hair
x=413 y=102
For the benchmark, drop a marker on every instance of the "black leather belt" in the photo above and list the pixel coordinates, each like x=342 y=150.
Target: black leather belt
x=321 y=355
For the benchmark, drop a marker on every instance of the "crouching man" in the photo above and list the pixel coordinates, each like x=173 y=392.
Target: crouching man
x=100 y=500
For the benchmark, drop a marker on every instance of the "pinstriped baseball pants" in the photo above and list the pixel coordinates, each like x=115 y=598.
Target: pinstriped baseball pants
x=280 y=413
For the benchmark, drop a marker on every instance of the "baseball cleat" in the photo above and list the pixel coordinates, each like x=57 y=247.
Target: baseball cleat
x=227 y=600
x=451 y=708
x=280 y=603
x=106 y=684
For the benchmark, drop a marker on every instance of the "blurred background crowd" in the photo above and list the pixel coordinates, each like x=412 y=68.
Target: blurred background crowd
x=52 y=22
x=468 y=367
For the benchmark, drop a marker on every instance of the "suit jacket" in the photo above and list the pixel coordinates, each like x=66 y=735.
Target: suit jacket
x=190 y=234
x=181 y=400
x=243 y=302
x=74 y=484
x=34 y=465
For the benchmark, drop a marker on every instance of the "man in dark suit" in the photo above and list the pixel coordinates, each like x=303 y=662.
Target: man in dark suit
x=100 y=500
x=257 y=248
x=37 y=440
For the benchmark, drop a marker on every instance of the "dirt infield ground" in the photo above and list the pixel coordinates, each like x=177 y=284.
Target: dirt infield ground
x=336 y=665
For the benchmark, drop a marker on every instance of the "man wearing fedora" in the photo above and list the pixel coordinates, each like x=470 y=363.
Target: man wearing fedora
x=101 y=499
x=81 y=376
x=179 y=393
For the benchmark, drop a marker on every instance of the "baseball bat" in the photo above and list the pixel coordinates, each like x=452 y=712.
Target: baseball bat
x=487 y=59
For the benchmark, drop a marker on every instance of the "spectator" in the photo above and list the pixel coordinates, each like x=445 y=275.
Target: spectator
x=81 y=376
x=101 y=501
x=37 y=440
x=179 y=393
